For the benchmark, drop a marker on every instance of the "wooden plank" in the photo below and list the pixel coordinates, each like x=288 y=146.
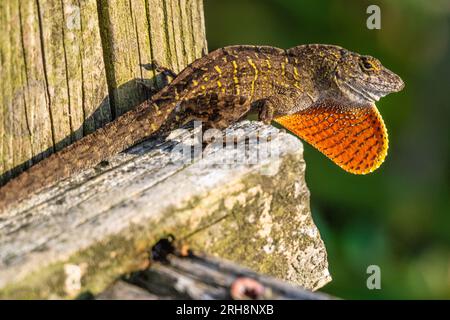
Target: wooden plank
x=51 y=17
x=159 y=36
x=198 y=23
x=2 y=98
x=187 y=31
x=253 y=212
x=141 y=24
x=71 y=31
x=16 y=131
x=172 y=21
x=17 y=108
x=8 y=154
x=120 y=48
x=96 y=106
x=36 y=97
x=15 y=126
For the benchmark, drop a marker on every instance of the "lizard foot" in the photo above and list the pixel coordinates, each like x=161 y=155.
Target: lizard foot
x=266 y=111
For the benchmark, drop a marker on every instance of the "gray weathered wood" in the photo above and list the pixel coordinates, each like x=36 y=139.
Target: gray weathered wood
x=99 y=224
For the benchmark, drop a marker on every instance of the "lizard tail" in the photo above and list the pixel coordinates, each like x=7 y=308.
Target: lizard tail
x=124 y=132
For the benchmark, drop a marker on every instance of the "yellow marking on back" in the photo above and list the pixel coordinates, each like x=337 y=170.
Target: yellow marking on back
x=219 y=71
x=296 y=75
x=268 y=64
x=195 y=82
x=235 y=78
x=219 y=85
x=335 y=54
x=205 y=79
x=283 y=68
x=158 y=112
x=234 y=66
x=282 y=84
x=250 y=62
x=297 y=85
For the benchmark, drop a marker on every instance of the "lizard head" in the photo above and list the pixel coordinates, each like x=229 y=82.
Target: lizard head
x=363 y=78
x=344 y=123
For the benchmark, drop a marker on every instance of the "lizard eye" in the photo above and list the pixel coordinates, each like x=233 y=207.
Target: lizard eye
x=366 y=65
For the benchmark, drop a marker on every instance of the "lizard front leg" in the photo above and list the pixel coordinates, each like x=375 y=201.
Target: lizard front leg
x=269 y=107
x=287 y=102
x=266 y=111
x=217 y=111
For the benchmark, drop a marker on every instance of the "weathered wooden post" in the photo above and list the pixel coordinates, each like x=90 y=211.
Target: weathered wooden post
x=70 y=66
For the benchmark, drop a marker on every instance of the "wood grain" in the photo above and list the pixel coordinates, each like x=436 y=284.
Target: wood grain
x=70 y=66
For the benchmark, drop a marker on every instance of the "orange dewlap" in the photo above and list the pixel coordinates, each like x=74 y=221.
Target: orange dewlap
x=355 y=138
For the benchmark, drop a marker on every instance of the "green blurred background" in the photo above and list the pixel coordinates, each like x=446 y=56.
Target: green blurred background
x=399 y=216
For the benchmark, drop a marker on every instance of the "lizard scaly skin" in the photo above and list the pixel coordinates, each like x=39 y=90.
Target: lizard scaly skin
x=324 y=94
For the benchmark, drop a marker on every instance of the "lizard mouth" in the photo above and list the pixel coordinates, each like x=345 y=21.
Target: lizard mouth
x=365 y=94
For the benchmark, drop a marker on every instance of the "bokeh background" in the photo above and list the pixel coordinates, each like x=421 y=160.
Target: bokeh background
x=399 y=216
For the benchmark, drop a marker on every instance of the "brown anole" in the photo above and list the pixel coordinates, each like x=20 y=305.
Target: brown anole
x=322 y=93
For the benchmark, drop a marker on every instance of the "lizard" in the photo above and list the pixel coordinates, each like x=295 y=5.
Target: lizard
x=324 y=94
